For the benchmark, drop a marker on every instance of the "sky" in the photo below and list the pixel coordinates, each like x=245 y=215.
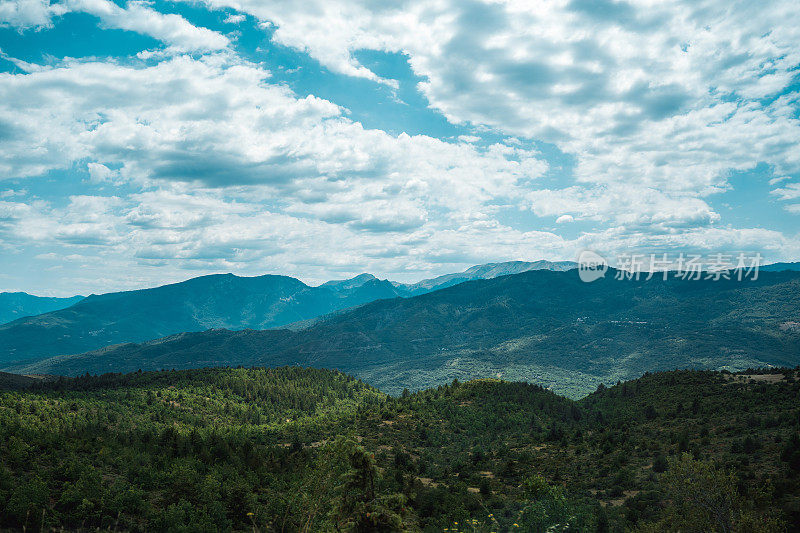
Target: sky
x=143 y=143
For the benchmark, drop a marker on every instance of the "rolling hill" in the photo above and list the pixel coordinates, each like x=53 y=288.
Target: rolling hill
x=14 y=305
x=293 y=449
x=781 y=267
x=542 y=326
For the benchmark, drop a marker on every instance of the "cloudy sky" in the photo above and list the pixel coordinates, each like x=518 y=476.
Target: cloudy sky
x=148 y=142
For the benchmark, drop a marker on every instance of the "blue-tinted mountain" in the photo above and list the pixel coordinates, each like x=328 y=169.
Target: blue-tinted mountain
x=487 y=271
x=216 y=301
x=542 y=326
x=781 y=267
x=348 y=284
x=14 y=305
x=209 y=302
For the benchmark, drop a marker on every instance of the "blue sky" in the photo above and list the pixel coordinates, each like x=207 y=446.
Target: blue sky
x=147 y=142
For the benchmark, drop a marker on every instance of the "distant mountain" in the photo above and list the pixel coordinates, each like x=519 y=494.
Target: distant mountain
x=348 y=284
x=542 y=326
x=487 y=271
x=14 y=305
x=207 y=302
x=217 y=301
x=781 y=267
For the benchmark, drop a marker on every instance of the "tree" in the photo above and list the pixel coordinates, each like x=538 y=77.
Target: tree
x=546 y=507
x=660 y=464
x=703 y=498
x=359 y=507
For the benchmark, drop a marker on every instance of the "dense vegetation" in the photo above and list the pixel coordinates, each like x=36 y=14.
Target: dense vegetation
x=541 y=326
x=294 y=449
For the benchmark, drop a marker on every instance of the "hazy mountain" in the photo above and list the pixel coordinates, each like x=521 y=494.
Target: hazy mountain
x=217 y=301
x=14 y=305
x=781 y=267
x=487 y=271
x=352 y=283
x=540 y=326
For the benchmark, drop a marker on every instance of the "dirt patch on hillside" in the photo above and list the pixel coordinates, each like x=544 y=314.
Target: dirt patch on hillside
x=756 y=378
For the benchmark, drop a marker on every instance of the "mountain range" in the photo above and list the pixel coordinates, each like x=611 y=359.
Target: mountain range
x=781 y=267
x=208 y=302
x=14 y=305
x=543 y=326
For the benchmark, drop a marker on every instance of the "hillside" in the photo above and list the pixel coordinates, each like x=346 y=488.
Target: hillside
x=17 y=381
x=198 y=304
x=542 y=326
x=293 y=449
x=217 y=301
x=14 y=305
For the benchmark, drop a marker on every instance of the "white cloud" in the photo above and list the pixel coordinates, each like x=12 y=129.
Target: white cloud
x=24 y=14
x=564 y=219
x=235 y=19
x=790 y=192
x=234 y=169
x=99 y=173
x=137 y=16
x=662 y=95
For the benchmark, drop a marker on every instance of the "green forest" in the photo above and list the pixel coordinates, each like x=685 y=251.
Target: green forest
x=301 y=449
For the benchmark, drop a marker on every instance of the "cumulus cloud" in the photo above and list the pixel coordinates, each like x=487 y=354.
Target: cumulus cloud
x=266 y=160
x=664 y=95
x=136 y=16
x=25 y=14
x=212 y=165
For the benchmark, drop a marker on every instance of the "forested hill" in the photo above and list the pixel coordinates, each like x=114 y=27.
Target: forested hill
x=294 y=449
x=542 y=327
x=217 y=301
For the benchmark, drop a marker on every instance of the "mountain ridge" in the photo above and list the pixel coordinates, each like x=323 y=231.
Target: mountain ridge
x=15 y=305
x=204 y=302
x=544 y=327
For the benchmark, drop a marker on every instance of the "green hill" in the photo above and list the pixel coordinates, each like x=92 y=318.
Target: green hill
x=294 y=449
x=542 y=327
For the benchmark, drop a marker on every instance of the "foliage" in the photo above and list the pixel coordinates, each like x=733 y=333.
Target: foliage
x=298 y=449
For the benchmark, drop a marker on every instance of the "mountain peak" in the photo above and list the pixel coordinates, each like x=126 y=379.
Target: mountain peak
x=487 y=271
x=351 y=283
